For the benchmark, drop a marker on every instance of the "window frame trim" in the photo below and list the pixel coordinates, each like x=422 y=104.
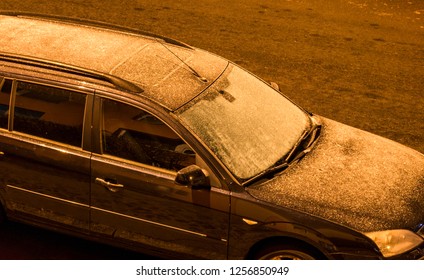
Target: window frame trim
x=86 y=141
x=164 y=116
x=97 y=137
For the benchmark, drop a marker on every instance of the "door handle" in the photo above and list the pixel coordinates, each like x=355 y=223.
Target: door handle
x=113 y=187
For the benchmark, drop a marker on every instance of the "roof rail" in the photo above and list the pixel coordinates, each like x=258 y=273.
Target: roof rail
x=93 y=23
x=71 y=69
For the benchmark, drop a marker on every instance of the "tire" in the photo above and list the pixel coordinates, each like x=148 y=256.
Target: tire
x=284 y=252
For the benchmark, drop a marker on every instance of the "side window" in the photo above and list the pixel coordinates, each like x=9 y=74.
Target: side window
x=5 y=90
x=51 y=113
x=133 y=134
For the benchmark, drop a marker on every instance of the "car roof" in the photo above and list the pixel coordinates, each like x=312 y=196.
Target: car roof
x=165 y=71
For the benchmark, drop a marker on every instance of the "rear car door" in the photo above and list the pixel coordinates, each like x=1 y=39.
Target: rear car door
x=44 y=170
x=134 y=198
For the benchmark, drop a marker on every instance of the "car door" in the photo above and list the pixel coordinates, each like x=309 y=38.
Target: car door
x=134 y=198
x=44 y=171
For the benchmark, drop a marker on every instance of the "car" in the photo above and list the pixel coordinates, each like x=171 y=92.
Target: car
x=144 y=142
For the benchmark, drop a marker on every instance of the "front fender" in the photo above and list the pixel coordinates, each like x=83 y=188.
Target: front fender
x=253 y=223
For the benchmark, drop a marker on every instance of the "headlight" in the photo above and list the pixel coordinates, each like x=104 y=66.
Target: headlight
x=394 y=242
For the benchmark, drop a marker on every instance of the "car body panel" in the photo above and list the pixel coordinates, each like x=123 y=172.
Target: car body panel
x=34 y=181
x=348 y=176
x=257 y=222
x=148 y=207
x=36 y=184
x=152 y=209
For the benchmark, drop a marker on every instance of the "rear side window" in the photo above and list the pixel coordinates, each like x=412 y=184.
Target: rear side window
x=5 y=90
x=51 y=113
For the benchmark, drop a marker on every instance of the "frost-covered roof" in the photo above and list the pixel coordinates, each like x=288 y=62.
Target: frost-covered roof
x=149 y=62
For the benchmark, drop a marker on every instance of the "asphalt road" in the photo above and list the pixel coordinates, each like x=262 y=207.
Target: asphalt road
x=357 y=62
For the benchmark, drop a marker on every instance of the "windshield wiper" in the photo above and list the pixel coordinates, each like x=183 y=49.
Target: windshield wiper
x=276 y=168
x=305 y=142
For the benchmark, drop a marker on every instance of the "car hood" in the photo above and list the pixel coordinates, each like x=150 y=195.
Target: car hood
x=353 y=178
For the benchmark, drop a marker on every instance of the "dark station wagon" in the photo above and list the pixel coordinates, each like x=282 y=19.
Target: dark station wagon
x=145 y=142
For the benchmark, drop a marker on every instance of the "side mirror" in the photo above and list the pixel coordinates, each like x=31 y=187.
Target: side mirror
x=194 y=177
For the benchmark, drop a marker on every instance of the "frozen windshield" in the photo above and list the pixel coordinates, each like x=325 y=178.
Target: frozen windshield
x=245 y=122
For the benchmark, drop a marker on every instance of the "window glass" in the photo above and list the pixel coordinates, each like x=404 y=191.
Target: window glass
x=5 y=89
x=247 y=124
x=51 y=113
x=136 y=135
